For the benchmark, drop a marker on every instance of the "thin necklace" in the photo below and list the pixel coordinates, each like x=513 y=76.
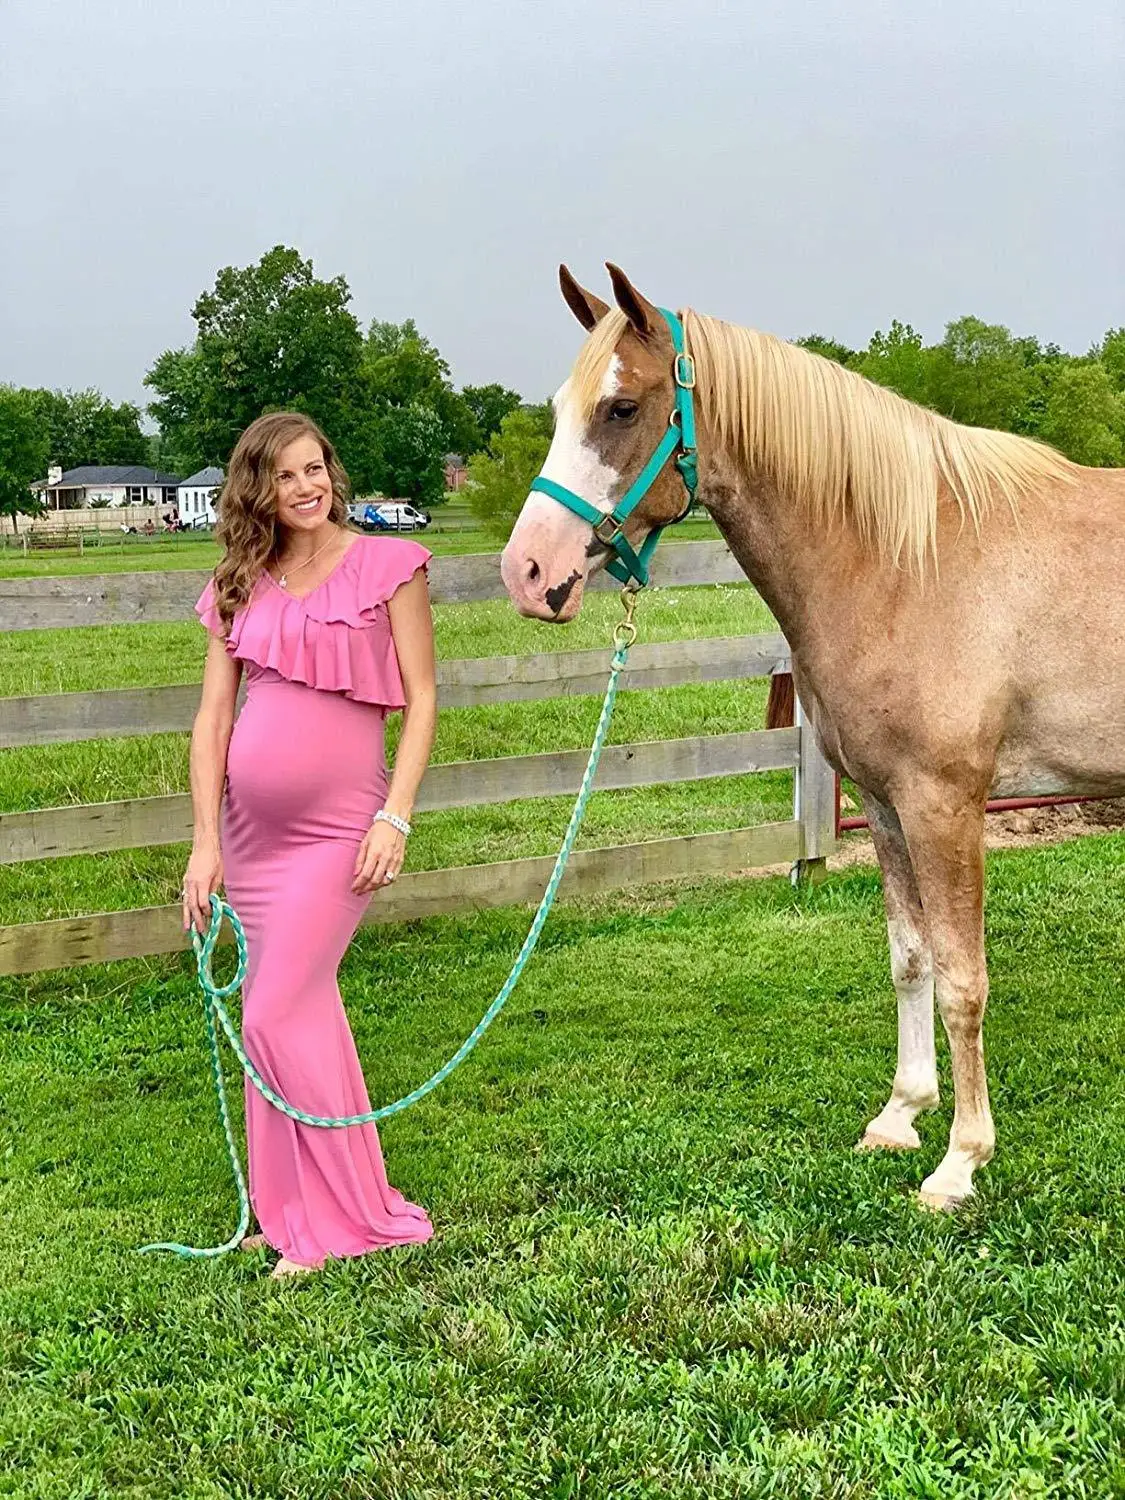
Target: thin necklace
x=284 y=579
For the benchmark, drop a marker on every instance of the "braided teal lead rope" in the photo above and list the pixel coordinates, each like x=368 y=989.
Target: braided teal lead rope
x=214 y=995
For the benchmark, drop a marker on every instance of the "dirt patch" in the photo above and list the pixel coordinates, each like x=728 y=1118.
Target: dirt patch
x=1024 y=829
x=1002 y=830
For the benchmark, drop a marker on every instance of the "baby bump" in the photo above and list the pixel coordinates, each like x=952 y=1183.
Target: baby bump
x=305 y=762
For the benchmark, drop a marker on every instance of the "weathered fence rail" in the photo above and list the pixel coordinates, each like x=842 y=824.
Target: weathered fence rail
x=57 y=603
x=62 y=718
x=156 y=929
x=153 y=598
x=140 y=821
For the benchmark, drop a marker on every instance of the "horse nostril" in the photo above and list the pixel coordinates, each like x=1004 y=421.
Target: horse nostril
x=532 y=571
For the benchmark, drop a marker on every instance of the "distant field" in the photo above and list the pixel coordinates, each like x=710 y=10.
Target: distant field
x=453 y=532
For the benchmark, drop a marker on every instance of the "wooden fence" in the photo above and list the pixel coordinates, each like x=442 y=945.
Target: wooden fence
x=58 y=603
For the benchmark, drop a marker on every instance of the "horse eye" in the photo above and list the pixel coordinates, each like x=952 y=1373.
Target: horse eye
x=621 y=411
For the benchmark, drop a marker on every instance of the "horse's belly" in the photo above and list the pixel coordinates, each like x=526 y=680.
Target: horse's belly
x=1084 y=755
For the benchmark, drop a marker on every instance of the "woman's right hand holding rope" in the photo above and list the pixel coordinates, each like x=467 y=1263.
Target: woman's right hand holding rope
x=204 y=874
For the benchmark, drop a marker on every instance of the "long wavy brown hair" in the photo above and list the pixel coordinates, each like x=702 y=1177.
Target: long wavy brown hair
x=248 y=528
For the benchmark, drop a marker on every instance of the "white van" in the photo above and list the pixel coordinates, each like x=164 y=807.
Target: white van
x=388 y=515
x=399 y=516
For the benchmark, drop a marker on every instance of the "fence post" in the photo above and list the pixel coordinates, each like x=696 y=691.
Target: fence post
x=814 y=803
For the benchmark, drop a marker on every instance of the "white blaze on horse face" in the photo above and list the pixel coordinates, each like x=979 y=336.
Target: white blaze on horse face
x=571 y=461
x=547 y=534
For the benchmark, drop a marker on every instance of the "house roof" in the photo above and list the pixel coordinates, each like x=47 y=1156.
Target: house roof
x=88 y=474
x=203 y=479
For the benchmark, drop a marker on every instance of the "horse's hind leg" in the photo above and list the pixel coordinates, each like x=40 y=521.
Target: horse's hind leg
x=945 y=836
x=915 y=1085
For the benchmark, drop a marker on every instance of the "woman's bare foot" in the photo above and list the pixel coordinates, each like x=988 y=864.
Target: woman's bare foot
x=254 y=1242
x=289 y=1268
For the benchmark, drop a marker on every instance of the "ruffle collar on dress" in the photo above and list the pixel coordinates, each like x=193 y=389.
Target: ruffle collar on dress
x=338 y=637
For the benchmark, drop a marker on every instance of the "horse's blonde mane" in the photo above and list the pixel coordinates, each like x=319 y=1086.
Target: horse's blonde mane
x=851 y=450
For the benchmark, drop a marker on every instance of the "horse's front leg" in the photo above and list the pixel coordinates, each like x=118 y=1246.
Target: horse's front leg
x=915 y=1086
x=945 y=836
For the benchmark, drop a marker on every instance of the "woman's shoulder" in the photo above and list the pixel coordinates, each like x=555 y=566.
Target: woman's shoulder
x=385 y=563
x=207 y=605
x=207 y=608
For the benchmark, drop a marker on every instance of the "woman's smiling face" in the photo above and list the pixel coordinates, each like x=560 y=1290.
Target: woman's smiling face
x=304 y=486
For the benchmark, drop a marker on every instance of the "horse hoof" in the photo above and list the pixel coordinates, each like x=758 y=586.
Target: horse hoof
x=873 y=1141
x=940 y=1203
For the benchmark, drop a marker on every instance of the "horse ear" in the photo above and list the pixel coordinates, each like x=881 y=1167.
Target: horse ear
x=587 y=308
x=642 y=314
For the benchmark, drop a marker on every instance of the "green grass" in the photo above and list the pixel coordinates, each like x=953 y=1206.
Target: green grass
x=659 y=1268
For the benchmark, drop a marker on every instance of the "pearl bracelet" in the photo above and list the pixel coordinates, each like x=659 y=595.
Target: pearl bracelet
x=394 y=820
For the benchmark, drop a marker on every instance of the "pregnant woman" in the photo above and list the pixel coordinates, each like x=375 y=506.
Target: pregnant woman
x=294 y=814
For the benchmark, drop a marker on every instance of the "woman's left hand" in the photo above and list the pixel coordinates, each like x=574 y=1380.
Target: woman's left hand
x=379 y=859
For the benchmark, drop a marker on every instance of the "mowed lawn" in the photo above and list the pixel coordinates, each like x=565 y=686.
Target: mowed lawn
x=659 y=1267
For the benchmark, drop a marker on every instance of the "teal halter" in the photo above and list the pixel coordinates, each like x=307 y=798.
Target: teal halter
x=680 y=439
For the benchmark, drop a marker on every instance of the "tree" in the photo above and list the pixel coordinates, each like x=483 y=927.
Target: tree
x=829 y=348
x=269 y=336
x=1111 y=352
x=982 y=375
x=402 y=366
x=115 y=434
x=411 y=447
x=181 y=412
x=489 y=405
x=83 y=427
x=23 y=453
x=898 y=360
x=499 y=479
x=1085 y=416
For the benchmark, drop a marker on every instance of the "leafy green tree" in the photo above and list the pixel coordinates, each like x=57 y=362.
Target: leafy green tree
x=23 y=453
x=186 y=444
x=898 y=360
x=829 y=348
x=411 y=448
x=489 y=405
x=981 y=375
x=1085 y=416
x=1111 y=352
x=269 y=336
x=499 y=479
x=402 y=366
x=83 y=427
x=115 y=433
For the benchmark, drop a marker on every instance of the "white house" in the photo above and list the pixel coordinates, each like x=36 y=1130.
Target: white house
x=106 y=484
x=196 y=496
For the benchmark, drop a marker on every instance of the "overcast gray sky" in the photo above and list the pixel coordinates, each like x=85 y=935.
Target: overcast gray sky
x=797 y=165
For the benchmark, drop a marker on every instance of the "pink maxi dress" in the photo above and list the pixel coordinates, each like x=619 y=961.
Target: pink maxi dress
x=306 y=772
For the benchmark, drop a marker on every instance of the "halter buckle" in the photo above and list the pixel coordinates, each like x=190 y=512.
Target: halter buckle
x=684 y=371
x=608 y=541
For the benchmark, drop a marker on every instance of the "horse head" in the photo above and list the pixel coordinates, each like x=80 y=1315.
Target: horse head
x=611 y=415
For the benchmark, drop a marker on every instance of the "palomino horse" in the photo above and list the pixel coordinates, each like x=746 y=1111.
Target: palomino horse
x=952 y=598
